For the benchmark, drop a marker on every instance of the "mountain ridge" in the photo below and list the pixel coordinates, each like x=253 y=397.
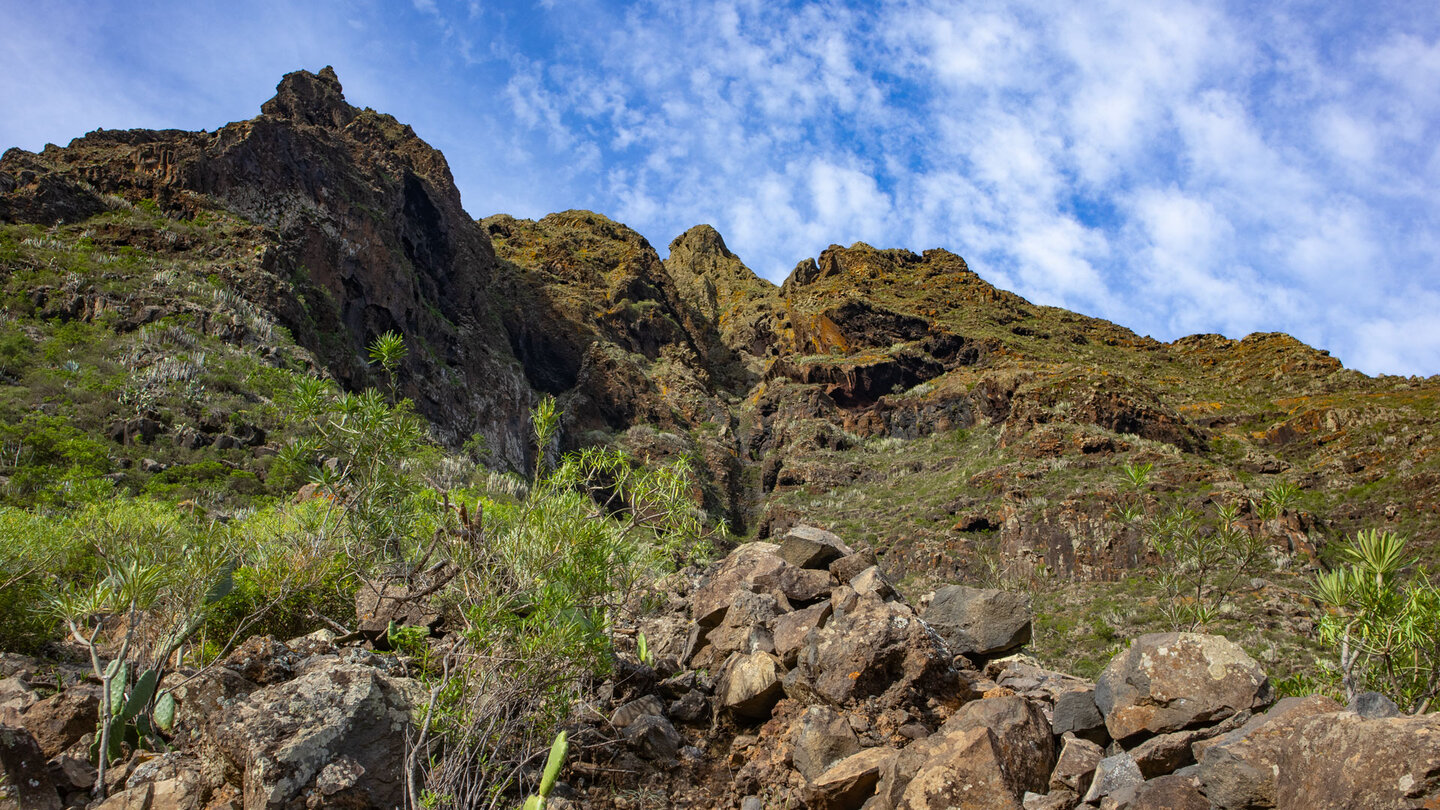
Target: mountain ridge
x=338 y=223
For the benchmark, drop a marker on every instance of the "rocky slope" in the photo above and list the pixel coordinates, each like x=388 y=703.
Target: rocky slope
x=788 y=674
x=960 y=430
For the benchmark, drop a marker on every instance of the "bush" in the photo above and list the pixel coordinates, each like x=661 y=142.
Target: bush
x=1386 y=625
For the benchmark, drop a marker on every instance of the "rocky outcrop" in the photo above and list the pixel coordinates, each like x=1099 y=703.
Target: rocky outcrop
x=1172 y=681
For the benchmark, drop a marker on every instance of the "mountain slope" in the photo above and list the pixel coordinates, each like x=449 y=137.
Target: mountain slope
x=894 y=396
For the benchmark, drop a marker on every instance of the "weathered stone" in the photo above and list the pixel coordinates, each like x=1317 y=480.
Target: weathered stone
x=802 y=585
x=136 y=798
x=876 y=649
x=654 y=738
x=792 y=628
x=731 y=576
x=15 y=697
x=1022 y=737
x=280 y=738
x=977 y=621
x=845 y=568
x=965 y=771
x=1342 y=760
x=1166 y=753
x=1238 y=767
x=1374 y=706
x=819 y=738
x=205 y=699
x=1023 y=674
x=1169 y=792
x=1076 y=764
x=1075 y=712
x=263 y=660
x=809 y=547
x=1170 y=681
x=1060 y=799
x=634 y=710
x=689 y=707
x=60 y=720
x=849 y=783
x=1112 y=776
x=751 y=685
x=871 y=581
x=27 y=784
x=175 y=780
x=71 y=774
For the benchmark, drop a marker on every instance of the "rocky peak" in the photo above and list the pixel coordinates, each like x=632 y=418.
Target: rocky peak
x=310 y=98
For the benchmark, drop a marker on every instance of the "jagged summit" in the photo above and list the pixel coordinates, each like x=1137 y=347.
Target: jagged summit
x=311 y=98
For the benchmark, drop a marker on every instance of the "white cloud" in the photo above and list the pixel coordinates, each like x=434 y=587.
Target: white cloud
x=1177 y=166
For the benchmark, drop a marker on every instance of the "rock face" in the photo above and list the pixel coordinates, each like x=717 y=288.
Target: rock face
x=1170 y=681
x=1342 y=760
x=983 y=622
x=26 y=785
x=1238 y=768
x=335 y=735
x=874 y=649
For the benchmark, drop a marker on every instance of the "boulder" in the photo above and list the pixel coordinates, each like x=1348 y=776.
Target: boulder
x=60 y=720
x=799 y=585
x=1167 y=753
x=979 y=621
x=654 y=738
x=792 y=628
x=809 y=547
x=1169 y=792
x=1076 y=765
x=1171 y=681
x=203 y=700
x=647 y=706
x=1238 y=767
x=732 y=575
x=819 y=738
x=847 y=567
x=875 y=649
x=1022 y=737
x=750 y=686
x=964 y=770
x=377 y=604
x=263 y=660
x=1076 y=713
x=871 y=581
x=1114 y=776
x=336 y=734
x=849 y=783
x=26 y=784
x=1342 y=760
x=174 y=780
x=15 y=697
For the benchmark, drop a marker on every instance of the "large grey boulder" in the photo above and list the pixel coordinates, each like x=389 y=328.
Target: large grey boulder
x=750 y=686
x=1342 y=760
x=819 y=738
x=333 y=737
x=979 y=621
x=849 y=783
x=874 y=649
x=1022 y=737
x=732 y=575
x=1171 y=681
x=809 y=547
x=963 y=770
x=1238 y=767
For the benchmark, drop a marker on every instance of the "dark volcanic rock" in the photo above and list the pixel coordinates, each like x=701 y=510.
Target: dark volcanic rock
x=979 y=621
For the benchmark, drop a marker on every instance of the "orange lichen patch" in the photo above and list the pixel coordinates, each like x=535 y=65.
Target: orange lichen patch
x=1201 y=407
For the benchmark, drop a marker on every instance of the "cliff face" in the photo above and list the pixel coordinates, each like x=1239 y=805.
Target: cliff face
x=960 y=420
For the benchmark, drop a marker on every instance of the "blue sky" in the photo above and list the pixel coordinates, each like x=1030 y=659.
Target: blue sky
x=1174 y=166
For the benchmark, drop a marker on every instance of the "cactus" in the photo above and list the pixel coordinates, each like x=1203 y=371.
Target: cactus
x=553 y=763
x=642 y=649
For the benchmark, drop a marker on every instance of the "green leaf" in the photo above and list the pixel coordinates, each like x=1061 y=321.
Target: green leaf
x=554 y=762
x=141 y=694
x=118 y=676
x=165 y=711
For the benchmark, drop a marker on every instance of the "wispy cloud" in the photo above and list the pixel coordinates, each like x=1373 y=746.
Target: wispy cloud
x=1177 y=166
